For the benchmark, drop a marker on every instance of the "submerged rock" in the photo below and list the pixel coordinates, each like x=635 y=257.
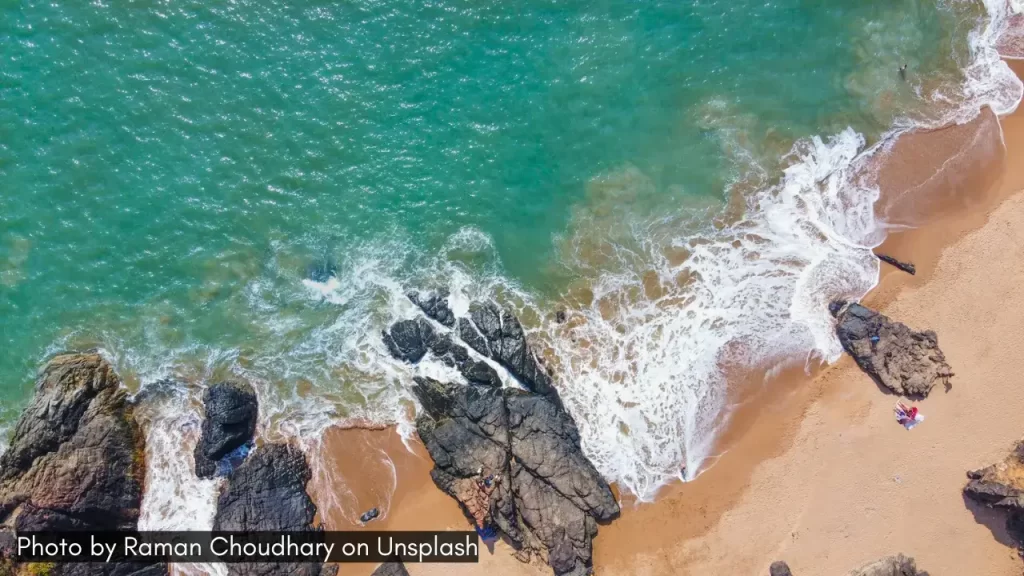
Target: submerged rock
x=267 y=492
x=76 y=460
x=906 y=362
x=1001 y=486
x=513 y=461
x=898 y=565
x=231 y=413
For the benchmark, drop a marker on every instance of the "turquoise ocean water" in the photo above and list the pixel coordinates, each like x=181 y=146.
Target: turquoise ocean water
x=173 y=175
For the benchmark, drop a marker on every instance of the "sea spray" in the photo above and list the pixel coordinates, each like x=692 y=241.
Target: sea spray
x=175 y=499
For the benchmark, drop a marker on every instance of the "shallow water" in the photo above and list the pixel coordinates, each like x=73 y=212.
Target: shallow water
x=173 y=175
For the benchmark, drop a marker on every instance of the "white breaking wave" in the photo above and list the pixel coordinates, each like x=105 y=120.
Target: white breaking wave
x=643 y=373
x=642 y=368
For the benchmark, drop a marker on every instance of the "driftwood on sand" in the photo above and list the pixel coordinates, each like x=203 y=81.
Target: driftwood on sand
x=904 y=266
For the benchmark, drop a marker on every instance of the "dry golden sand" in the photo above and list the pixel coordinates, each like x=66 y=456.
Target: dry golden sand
x=818 y=473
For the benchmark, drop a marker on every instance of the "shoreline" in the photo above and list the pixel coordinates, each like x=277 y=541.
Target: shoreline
x=767 y=424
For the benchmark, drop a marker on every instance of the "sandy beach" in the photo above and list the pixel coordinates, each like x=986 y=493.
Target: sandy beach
x=815 y=470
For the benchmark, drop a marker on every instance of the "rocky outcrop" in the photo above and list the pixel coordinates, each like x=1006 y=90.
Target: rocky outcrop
x=497 y=334
x=510 y=457
x=513 y=461
x=435 y=306
x=906 y=362
x=1001 y=486
x=391 y=569
x=76 y=460
x=267 y=492
x=231 y=412
x=409 y=340
x=898 y=565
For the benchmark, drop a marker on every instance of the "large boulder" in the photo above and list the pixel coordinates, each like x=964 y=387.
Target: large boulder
x=906 y=362
x=779 y=568
x=1001 y=486
x=267 y=492
x=76 y=460
x=898 y=565
x=513 y=461
x=231 y=413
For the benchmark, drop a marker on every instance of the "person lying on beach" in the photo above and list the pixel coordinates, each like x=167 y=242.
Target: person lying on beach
x=908 y=417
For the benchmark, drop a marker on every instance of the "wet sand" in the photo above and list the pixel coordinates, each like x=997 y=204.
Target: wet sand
x=815 y=471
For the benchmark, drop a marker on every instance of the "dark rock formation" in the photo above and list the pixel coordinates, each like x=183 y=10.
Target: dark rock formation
x=497 y=334
x=513 y=461
x=409 y=340
x=1001 y=486
x=391 y=569
x=76 y=460
x=76 y=457
x=231 y=412
x=904 y=266
x=267 y=492
x=898 y=565
x=435 y=306
x=510 y=457
x=904 y=361
x=779 y=568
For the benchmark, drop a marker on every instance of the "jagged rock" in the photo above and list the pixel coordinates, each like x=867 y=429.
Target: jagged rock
x=76 y=457
x=391 y=569
x=898 y=565
x=907 y=362
x=1001 y=486
x=513 y=461
x=452 y=354
x=435 y=306
x=76 y=460
x=267 y=492
x=409 y=340
x=779 y=568
x=497 y=334
x=231 y=413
